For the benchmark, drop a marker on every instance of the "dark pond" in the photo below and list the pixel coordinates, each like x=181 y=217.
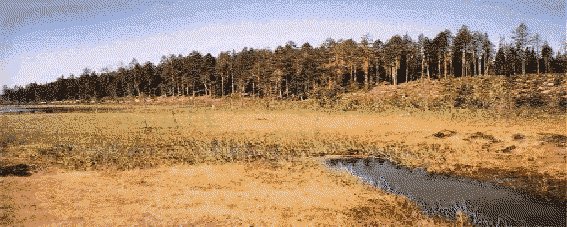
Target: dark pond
x=484 y=203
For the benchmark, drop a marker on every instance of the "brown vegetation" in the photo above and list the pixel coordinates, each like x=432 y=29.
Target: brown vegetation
x=506 y=95
x=519 y=146
x=279 y=193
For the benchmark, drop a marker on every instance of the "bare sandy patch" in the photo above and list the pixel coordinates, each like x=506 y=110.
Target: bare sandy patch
x=228 y=194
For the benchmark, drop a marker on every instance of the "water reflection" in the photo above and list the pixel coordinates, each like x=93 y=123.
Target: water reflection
x=484 y=203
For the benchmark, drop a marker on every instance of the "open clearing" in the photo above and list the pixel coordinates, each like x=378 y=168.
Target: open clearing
x=181 y=165
x=224 y=194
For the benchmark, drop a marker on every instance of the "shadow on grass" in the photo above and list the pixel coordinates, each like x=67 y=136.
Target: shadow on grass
x=20 y=170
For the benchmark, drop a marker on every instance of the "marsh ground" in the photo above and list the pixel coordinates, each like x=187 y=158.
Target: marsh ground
x=188 y=165
x=220 y=194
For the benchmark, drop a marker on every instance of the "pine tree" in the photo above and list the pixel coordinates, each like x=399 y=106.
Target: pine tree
x=521 y=37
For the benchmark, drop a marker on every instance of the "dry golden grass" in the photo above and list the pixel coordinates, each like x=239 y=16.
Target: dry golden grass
x=151 y=136
x=230 y=194
x=526 y=149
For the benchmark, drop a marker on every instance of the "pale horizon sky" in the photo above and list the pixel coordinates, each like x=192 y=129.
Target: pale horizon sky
x=42 y=40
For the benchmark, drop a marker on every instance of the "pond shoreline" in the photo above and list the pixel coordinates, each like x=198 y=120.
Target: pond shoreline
x=513 y=179
x=455 y=193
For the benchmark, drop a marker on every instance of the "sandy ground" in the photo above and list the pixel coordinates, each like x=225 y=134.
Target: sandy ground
x=240 y=194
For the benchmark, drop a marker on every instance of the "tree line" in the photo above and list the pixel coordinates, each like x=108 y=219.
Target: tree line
x=300 y=72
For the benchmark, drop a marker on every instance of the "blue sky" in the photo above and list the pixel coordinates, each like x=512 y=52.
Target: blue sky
x=41 y=40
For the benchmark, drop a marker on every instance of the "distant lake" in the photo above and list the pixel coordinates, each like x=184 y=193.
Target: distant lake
x=13 y=109
x=54 y=109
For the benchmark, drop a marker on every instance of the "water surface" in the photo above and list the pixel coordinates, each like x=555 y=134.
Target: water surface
x=484 y=203
x=53 y=109
x=13 y=109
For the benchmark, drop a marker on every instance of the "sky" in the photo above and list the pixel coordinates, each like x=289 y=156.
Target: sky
x=41 y=40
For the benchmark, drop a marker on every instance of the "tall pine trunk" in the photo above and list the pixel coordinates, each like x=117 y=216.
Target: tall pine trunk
x=485 y=62
x=427 y=65
x=537 y=66
x=422 y=68
x=222 y=85
x=407 y=72
x=206 y=89
x=474 y=60
x=231 y=84
x=445 y=65
x=286 y=88
x=366 y=66
x=396 y=70
x=280 y=87
x=451 y=68
x=487 y=66
x=463 y=65
x=524 y=65
x=438 y=68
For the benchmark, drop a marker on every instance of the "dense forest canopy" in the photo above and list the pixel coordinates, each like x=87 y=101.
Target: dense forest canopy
x=299 y=72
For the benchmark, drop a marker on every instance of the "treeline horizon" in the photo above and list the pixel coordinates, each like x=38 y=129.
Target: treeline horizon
x=297 y=73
